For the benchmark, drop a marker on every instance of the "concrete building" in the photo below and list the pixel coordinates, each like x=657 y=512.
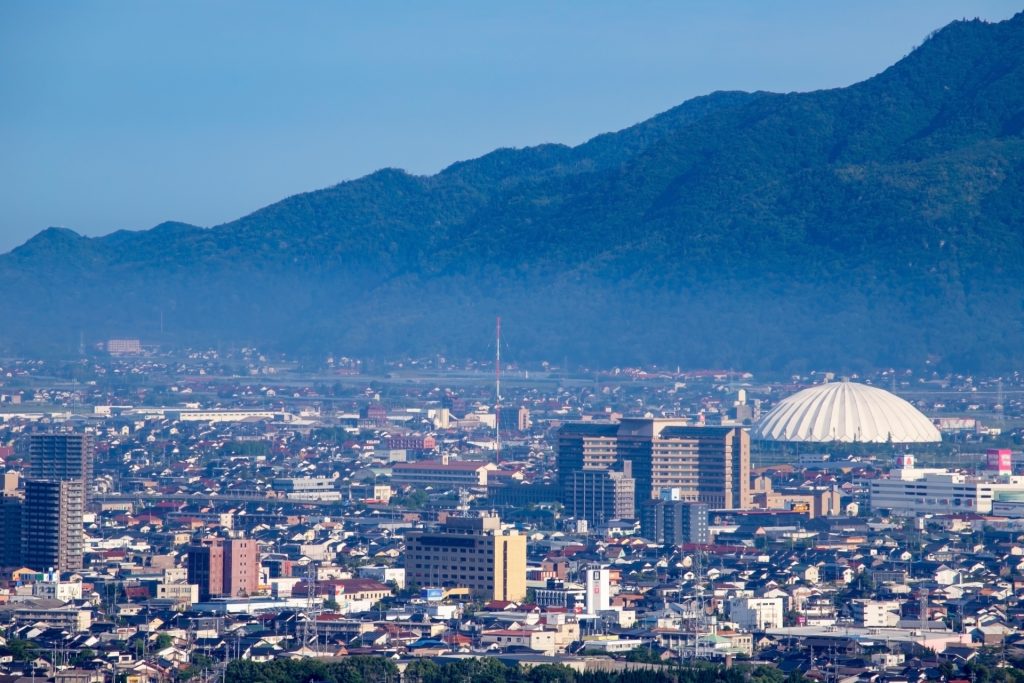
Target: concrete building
x=206 y=567
x=756 y=614
x=876 y=613
x=710 y=465
x=62 y=456
x=224 y=567
x=672 y=521
x=471 y=552
x=51 y=525
x=442 y=473
x=911 y=491
x=599 y=592
x=186 y=594
x=10 y=530
x=241 y=568
x=601 y=495
x=52 y=588
x=513 y=420
x=384 y=574
x=826 y=502
x=307 y=488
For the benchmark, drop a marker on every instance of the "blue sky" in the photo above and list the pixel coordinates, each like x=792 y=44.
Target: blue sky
x=120 y=115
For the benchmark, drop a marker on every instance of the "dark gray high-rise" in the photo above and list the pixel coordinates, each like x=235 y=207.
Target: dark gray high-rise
x=61 y=456
x=10 y=530
x=52 y=536
x=60 y=473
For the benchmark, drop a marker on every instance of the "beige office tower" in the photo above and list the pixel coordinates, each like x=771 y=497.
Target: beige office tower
x=52 y=536
x=709 y=465
x=471 y=552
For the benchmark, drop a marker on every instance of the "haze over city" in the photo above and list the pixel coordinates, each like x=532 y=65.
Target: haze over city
x=538 y=343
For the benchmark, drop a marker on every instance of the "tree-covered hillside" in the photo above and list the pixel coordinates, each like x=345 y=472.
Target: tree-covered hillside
x=874 y=225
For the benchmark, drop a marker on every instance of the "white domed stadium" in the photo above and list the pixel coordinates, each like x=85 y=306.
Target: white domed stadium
x=845 y=412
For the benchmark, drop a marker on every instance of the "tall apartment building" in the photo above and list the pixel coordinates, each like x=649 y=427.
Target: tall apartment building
x=10 y=530
x=470 y=552
x=205 y=562
x=675 y=522
x=61 y=456
x=224 y=567
x=710 y=465
x=241 y=567
x=601 y=495
x=51 y=525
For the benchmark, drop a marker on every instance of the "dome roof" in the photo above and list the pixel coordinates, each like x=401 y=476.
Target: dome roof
x=847 y=412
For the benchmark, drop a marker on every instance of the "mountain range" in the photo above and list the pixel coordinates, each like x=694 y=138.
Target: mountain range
x=876 y=225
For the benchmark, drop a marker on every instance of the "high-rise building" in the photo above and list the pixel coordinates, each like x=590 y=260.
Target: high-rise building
x=601 y=495
x=10 y=530
x=470 y=552
x=62 y=456
x=51 y=525
x=241 y=567
x=224 y=567
x=206 y=567
x=708 y=464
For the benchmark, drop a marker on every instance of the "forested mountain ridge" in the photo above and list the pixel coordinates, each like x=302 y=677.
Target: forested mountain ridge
x=874 y=225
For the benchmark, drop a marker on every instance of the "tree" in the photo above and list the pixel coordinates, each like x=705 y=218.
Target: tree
x=643 y=654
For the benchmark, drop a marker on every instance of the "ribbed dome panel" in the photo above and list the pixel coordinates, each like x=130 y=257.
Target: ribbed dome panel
x=846 y=412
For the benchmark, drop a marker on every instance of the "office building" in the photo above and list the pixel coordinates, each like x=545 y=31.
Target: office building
x=471 y=552
x=51 y=525
x=910 y=491
x=224 y=568
x=756 y=614
x=675 y=522
x=709 y=465
x=442 y=473
x=307 y=488
x=601 y=495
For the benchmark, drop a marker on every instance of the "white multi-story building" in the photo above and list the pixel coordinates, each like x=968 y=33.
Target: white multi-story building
x=307 y=488
x=384 y=574
x=53 y=588
x=876 y=613
x=598 y=590
x=911 y=491
x=756 y=614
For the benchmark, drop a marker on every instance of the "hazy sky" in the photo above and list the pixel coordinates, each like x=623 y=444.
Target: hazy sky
x=125 y=114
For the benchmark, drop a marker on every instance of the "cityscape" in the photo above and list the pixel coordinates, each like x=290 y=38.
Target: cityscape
x=533 y=342
x=167 y=514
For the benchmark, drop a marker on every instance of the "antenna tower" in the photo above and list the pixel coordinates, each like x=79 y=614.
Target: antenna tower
x=497 y=390
x=310 y=637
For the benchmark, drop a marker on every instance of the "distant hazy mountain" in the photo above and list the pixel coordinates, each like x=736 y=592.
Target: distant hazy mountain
x=872 y=225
